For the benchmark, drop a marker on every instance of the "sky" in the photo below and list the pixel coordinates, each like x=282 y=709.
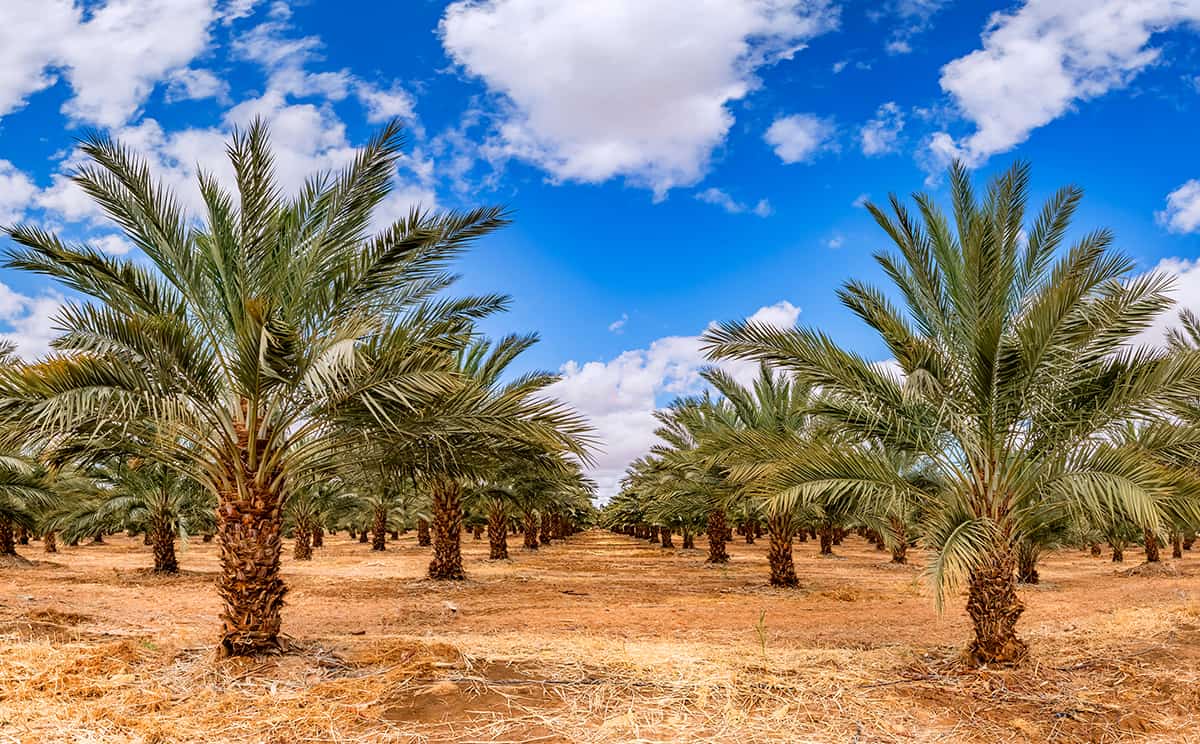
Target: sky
x=667 y=164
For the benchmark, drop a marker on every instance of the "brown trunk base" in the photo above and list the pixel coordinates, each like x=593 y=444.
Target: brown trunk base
x=994 y=608
x=717 y=531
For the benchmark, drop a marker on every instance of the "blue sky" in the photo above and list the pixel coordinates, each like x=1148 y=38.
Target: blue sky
x=668 y=163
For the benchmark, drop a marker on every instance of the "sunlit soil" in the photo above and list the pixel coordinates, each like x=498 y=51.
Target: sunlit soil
x=600 y=639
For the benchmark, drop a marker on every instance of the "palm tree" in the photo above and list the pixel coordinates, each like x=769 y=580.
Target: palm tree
x=1014 y=375
x=141 y=496
x=496 y=422
x=238 y=352
x=23 y=496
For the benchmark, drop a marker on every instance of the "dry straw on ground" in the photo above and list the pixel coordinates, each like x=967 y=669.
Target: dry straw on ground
x=602 y=640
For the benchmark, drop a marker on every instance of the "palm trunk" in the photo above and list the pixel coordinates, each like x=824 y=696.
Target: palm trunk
x=476 y=531
x=1027 y=556
x=826 y=536
x=1095 y=550
x=716 y=537
x=1176 y=545
x=779 y=551
x=665 y=535
x=689 y=540
x=497 y=533
x=363 y=535
x=1118 y=553
x=318 y=537
x=250 y=530
x=8 y=546
x=207 y=537
x=148 y=538
x=1189 y=540
x=379 y=529
x=545 y=534
x=423 y=538
x=164 y=549
x=447 y=530
x=749 y=530
x=994 y=608
x=22 y=535
x=50 y=542
x=900 y=535
x=1151 y=540
x=531 y=530
x=303 y=548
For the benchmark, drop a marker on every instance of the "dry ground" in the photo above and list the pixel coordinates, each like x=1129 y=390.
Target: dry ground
x=600 y=639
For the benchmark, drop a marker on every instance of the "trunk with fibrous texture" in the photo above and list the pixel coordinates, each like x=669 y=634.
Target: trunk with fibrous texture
x=379 y=529
x=476 y=531
x=900 y=548
x=50 y=542
x=544 y=537
x=353 y=533
x=749 y=530
x=717 y=530
x=779 y=551
x=206 y=538
x=1189 y=540
x=826 y=536
x=250 y=531
x=364 y=535
x=1118 y=553
x=1176 y=545
x=147 y=538
x=302 y=551
x=318 y=536
x=164 y=549
x=447 y=530
x=1151 y=541
x=689 y=540
x=497 y=533
x=665 y=535
x=98 y=539
x=22 y=535
x=531 y=530
x=1027 y=556
x=423 y=538
x=1095 y=550
x=994 y=608
x=8 y=545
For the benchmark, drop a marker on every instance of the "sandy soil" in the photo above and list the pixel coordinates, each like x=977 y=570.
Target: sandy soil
x=601 y=638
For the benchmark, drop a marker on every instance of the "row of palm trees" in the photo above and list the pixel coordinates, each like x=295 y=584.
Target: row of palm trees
x=274 y=345
x=1017 y=412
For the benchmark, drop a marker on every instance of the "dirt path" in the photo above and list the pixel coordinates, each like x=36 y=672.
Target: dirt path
x=601 y=638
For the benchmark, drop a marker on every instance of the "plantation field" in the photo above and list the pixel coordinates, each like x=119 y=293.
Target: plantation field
x=602 y=638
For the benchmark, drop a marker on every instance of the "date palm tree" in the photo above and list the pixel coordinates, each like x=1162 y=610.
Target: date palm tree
x=254 y=327
x=1015 y=374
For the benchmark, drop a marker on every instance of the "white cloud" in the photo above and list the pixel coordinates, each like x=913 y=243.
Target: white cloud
x=835 y=242
x=913 y=17
x=193 y=84
x=28 y=321
x=881 y=134
x=723 y=200
x=861 y=200
x=592 y=90
x=618 y=325
x=16 y=192
x=1186 y=273
x=800 y=137
x=1182 y=213
x=382 y=105
x=112 y=244
x=621 y=395
x=840 y=65
x=1038 y=61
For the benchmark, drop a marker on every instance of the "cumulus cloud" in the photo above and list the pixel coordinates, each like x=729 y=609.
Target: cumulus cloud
x=28 y=322
x=1041 y=59
x=1186 y=273
x=620 y=396
x=112 y=60
x=194 y=85
x=1182 y=213
x=618 y=325
x=881 y=134
x=799 y=138
x=911 y=18
x=16 y=192
x=593 y=90
x=723 y=200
